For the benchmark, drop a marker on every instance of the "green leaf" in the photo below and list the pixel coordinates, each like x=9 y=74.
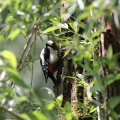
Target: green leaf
x=11 y=94
x=34 y=116
x=111 y=78
x=67 y=107
x=18 y=81
x=50 y=105
x=68 y=116
x=21 y=98
x=40 y=116
x=83 y=15
x=68 y=112
x=73 y=25
x=50 y=29
x=92 y=109
x=10 y=70
x=110 y=52
x=29 y=57
x=97 y=33
x=63 y=25
x=82 y=105
x=67 y=52
x=114 y=101
x=59 y=100
x=10 y=57
x=13 y=34
x=55 y=20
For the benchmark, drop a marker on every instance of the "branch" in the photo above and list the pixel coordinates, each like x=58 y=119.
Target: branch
x=26 y=47
x=27 y=54
x=32 y=62
x=90 y=98
x=12 y=113
x=28 y=63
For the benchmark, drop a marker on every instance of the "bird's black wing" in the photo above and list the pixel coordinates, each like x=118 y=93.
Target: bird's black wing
x=46 y=62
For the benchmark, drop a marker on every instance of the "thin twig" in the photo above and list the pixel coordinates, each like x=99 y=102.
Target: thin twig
x=27 y=54
x=12 y=113
x=28 y=63
x=32 y=67
x=32 y=62
x=26 y=47
x=20 y=63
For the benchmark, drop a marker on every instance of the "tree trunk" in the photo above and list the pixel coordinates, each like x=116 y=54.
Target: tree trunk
x=67 y=70
x=67 y=75
x=111 y=36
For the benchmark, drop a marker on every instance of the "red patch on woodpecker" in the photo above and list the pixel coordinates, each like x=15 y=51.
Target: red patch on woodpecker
x=52 y=68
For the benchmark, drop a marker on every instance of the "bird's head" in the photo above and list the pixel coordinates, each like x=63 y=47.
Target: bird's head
x=51 y=44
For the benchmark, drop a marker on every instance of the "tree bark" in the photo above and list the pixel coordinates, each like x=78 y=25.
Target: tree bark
x=67 y=68
x=111 y=36
x=67 y=75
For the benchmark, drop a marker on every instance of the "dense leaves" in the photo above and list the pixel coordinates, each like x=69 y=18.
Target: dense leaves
x=42 y=18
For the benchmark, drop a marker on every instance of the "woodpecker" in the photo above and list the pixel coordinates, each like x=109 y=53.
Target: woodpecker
x=49 y=60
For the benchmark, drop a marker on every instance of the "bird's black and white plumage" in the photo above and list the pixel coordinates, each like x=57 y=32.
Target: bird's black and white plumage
x=49 y=60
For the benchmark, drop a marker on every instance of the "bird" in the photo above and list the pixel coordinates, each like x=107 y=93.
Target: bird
x=49 y=60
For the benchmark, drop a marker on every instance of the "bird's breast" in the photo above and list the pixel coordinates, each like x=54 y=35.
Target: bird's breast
x=53 y=57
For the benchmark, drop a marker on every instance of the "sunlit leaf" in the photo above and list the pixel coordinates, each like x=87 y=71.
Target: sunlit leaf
x=63 y=25
x=67 y=52
x=68 y=111
x=59 y=100
x=50 y=105
x=13 y=34
x=73 y=25
x=22 y=98
x=10 y=57
x=68 y=116
x=55 y=20
x=21 y=17
x=50 y=29
x=34 y=116
x=93 y=109
x=110 y=52
x=40 y=116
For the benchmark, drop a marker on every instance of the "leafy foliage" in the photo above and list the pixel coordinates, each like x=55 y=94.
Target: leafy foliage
x=42 y=17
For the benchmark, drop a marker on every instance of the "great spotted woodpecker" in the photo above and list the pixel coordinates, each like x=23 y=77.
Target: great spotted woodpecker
x=49 y=60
